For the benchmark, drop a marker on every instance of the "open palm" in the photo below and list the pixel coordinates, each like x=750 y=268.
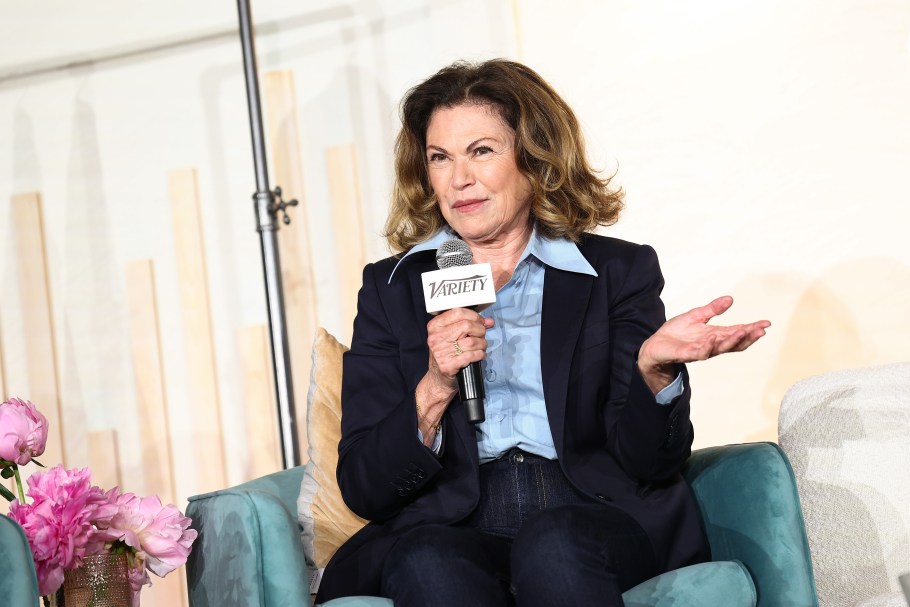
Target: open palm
x=688 y=337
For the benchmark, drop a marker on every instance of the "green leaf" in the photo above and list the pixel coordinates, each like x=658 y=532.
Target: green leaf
x=7 y=493
x=37 y=463
x=8 y=472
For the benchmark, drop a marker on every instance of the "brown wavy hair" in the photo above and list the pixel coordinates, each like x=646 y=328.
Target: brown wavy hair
x=569 y=198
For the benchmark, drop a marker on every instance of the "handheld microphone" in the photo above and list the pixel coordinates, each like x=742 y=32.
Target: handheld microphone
x=460 y=284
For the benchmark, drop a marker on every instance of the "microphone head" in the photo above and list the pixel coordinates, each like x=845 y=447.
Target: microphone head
x=453 y=253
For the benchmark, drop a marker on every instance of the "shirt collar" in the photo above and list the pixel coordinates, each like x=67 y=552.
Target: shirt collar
x=560 y=253
x=427 y=245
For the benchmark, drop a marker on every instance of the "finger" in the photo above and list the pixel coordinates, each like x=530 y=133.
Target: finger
x=703 y=314
x=719 y=305
x=730 y=342
x=750 y=339
x=451 y=363
x=457 y=330
x=452 y=316
x=468 y=344
x=701 y=350
x=747 y=338
x=450 y=323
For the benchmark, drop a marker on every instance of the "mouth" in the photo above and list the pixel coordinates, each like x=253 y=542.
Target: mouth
x=468 y=204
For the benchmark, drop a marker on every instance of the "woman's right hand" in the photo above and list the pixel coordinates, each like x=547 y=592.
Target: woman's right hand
x=460 y=326
x=465 y=327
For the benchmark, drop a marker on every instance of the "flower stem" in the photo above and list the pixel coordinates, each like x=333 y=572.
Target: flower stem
x=18 y=484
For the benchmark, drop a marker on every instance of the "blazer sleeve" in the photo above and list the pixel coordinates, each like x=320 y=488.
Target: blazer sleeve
x=382 y=466
x=649 y=440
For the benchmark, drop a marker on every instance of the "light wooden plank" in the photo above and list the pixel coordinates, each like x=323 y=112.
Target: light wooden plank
x=40 y=349
x=11 y=485
x=104 y=461
x=203 y=399
x=300 y=300
x=148 y=369
x=169 y=591
x=8 y=483
x=259 y=400
x=3 y=394
x=347 y=217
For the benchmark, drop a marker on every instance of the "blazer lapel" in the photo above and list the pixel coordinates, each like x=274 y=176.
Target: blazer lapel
x=565 y=301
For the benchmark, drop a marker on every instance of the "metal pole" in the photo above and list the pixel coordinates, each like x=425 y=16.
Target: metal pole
x=266 y=211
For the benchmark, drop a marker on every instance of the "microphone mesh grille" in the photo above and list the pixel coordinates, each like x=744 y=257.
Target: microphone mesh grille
x=452 y=253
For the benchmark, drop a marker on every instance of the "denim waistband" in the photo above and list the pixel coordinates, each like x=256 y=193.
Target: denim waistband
x=518 y=456
x=516 y=486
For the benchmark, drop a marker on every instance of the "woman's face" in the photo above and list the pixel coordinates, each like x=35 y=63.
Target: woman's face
x=471 y=163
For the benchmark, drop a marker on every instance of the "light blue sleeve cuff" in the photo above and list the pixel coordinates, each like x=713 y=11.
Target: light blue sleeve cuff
x=666 y=396
x=437 y=440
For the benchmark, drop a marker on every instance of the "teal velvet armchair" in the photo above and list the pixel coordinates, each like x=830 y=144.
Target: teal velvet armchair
x=249 y=551
x=18 y=583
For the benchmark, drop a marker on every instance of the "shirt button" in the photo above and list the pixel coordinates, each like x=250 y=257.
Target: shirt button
x=491 y=375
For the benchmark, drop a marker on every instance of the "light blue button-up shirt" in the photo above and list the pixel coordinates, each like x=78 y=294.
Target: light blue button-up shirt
x=516 y=415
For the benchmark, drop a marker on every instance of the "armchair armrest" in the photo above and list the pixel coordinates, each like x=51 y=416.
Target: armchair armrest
x=751 y=513
x=248 y=552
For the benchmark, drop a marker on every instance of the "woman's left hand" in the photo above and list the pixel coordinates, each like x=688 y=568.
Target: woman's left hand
x=688 y=338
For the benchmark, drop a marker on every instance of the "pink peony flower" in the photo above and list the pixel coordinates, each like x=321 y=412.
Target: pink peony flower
x=139 y=577
x=23 y=431
x=159 y=534
x=58 y=522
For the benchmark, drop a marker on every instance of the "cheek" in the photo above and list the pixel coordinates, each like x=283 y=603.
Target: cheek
x=438 y=182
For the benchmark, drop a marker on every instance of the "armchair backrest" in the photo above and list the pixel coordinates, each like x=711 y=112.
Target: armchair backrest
x=18 y=583
x=847 y=434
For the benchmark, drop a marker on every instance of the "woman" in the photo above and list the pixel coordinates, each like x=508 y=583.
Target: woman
x=570 y=492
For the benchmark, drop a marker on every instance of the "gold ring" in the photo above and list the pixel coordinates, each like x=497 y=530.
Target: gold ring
x=458 y=350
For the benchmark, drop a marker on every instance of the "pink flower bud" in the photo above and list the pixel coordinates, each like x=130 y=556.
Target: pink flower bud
x=23 y=431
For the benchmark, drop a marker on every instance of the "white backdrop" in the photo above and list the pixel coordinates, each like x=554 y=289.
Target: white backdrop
x=764 y=148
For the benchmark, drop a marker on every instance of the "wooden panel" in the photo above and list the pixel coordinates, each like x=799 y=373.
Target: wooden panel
x=104 y=461
x=11 y=485
x=3 y=394
x=202 y=398
x=40 y=350
x=347 y=217
x=259 y=399
x=8 y=483
x=148 y=369
x=169 y=591
x=293 y=240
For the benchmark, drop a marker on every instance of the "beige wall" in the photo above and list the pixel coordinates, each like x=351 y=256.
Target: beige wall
x=764 y=148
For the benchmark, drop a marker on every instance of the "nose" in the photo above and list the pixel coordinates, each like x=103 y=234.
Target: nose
x=463 y=175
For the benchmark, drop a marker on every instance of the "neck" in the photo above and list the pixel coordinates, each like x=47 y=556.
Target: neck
x=502 y=255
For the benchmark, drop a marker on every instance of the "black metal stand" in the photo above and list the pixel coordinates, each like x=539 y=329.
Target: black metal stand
x=266 y=210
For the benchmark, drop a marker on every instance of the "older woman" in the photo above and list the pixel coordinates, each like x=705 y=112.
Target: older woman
x=570 y=491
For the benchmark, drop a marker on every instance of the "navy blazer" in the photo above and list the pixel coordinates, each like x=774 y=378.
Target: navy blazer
x=612 y=439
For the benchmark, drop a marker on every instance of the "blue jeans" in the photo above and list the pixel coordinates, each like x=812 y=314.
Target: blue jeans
x=533 y=540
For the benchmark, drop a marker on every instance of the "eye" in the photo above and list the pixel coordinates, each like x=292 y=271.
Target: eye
x=437 y=157
x=482 y=150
